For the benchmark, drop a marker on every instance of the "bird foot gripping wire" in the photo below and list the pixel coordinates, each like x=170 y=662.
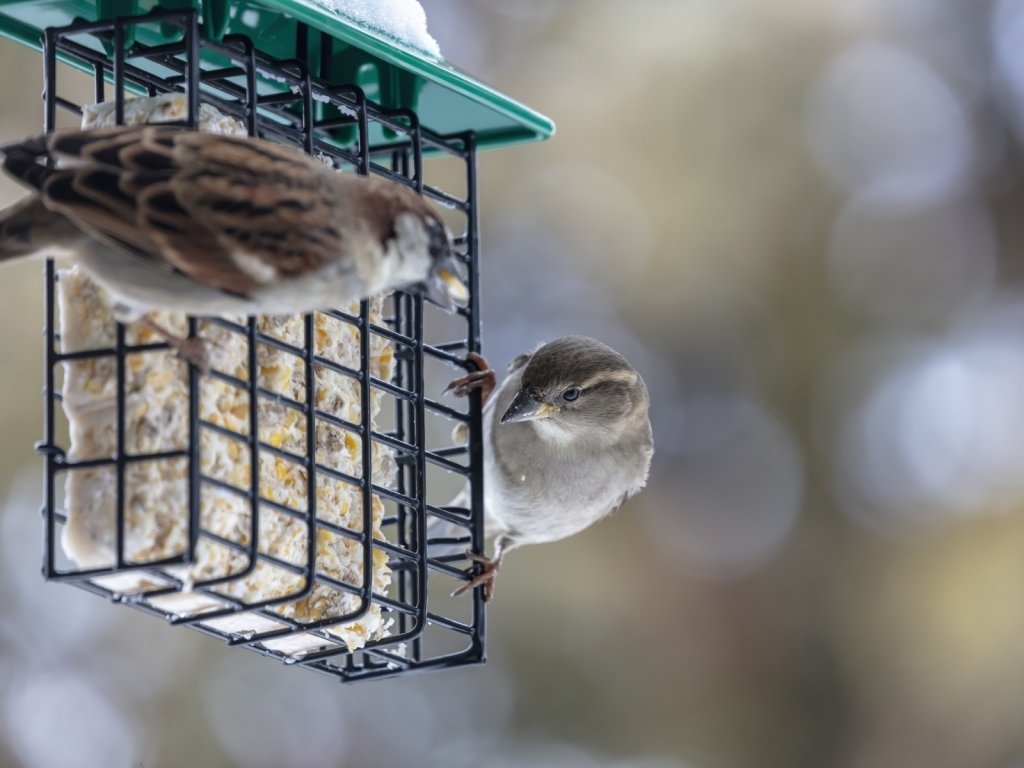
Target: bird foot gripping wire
x=190 y=349
x=483 y=378
x=489 y=568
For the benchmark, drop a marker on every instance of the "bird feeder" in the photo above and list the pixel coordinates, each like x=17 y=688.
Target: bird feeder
x=282 y=502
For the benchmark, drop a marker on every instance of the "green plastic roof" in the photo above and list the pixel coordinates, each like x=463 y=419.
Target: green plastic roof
x=392 y=73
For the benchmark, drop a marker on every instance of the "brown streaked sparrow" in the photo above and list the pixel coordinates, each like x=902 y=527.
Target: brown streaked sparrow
x=567 y=440
x=165 y=217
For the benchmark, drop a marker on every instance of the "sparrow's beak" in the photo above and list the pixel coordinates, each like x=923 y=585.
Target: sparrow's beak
x=525 y=407
x=445 y=286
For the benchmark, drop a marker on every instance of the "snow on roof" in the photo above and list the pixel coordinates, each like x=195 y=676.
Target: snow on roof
x=404 y=20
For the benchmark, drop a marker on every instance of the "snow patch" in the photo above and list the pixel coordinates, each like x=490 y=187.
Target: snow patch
x=404 y=20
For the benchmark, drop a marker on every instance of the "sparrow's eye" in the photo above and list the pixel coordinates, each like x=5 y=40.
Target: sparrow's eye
x=439 y=246
x=571 y=394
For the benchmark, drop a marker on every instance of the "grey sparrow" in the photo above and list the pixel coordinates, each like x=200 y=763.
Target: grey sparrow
x=567 y=440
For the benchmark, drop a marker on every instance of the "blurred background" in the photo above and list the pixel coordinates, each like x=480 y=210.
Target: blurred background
x=799 y=220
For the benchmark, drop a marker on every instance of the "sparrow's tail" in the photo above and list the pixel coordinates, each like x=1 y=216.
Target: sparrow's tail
x=22 y=161
x=28 y=228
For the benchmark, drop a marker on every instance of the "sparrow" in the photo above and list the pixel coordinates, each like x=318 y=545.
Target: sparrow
x=567 y=439
x=165 y=217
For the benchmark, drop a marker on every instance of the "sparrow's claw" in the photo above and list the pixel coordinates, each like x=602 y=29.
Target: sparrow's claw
x=193 y=351
x=483 y=379
x=189 y=348
x=485 y=578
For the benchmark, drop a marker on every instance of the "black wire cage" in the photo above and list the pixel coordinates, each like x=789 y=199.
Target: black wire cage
x=284 y=101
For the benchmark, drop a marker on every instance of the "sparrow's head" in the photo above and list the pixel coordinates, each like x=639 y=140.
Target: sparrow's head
x=424 y=250
x=577 y=385
x=444 y=284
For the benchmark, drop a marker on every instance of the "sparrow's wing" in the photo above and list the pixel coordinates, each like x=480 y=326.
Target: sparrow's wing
x=519 y=361
x=230 y=213
x=642 y=446
x=96 y=179
x=277 y=210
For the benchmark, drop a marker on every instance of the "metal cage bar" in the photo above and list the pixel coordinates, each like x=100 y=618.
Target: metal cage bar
x=284 y=101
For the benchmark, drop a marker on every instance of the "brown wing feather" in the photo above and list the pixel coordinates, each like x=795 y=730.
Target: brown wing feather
x=115 y=183
x=290 y=223
x=191 y=200
x=104 y=223
x=194 y=201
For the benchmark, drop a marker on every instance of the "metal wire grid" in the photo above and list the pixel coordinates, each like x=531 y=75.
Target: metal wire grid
x=283 y=101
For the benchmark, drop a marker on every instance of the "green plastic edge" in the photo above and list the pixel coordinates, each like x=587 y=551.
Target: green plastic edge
x=534 y=125
x=22 y=33
x=541 y=126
